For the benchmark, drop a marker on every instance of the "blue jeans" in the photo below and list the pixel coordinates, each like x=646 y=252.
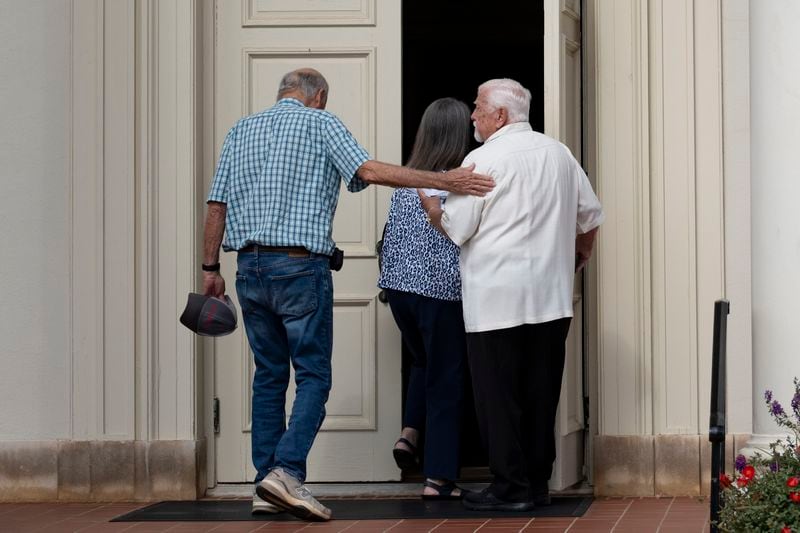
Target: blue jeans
x=287 y=307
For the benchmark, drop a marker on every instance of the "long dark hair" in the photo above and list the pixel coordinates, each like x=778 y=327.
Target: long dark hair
x=442 y=137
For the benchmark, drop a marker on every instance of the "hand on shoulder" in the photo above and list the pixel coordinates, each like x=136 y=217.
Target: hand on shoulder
x=464 y=180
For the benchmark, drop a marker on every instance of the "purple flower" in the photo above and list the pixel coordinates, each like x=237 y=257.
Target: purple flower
x=768 y=395
x=796 y=403
x=773 y=467
x=741 y=462
x=776 y=409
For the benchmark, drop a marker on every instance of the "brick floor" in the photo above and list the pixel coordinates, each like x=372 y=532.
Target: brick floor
x=618 y=515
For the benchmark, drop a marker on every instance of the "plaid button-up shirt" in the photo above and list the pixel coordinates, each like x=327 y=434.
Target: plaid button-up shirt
x=279 y=174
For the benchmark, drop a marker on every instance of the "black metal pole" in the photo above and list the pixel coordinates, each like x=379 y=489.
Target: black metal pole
x=717 y=469
x=716 y=430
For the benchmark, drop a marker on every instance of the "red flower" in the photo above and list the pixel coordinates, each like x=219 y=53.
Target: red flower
x=795 y=497
x=793 y=481
x=786 y=529
x=742 y=481
x=748 y=472
x=724 y=481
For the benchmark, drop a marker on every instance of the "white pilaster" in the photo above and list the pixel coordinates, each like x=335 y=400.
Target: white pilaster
x=103 y=232
x=620 y=166
x=775 y=128
x=736 y=139
x=173 y=215
x=134 y=213
x=661 y=252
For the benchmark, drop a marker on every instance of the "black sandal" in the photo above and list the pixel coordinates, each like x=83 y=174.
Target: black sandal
x=405 y=459
x=443 y=492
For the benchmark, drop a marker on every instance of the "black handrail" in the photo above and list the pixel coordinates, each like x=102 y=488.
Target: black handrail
x=716 y=429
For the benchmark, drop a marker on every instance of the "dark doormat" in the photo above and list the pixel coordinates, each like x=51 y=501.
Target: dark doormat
x=384 y=509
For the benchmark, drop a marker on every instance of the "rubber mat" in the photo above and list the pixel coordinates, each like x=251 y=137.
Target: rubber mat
x=344 y=509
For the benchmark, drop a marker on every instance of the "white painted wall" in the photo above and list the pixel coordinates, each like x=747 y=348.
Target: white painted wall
x=34 y=239
x=775 y=164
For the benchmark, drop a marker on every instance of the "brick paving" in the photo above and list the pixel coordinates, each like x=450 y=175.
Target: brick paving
x=617 y=515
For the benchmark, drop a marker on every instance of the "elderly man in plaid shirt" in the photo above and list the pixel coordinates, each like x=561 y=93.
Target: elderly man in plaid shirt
x=273 y=197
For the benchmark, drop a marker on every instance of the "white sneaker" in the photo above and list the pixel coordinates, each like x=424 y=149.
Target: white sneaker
x=263 y=507
x=284 y=490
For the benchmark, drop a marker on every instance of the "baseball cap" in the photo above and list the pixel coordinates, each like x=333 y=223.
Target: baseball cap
x=208 y=315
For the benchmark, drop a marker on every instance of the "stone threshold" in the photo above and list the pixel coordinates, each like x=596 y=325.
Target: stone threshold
x=367 y=490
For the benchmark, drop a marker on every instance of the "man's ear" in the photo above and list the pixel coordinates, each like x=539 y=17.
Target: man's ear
x=502 y=116
x=320 y=99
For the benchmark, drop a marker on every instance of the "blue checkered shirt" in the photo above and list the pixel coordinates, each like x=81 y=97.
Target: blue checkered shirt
x=279 y=174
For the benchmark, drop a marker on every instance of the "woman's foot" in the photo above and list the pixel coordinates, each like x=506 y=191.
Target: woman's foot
x=442 y=489
x=405 y=449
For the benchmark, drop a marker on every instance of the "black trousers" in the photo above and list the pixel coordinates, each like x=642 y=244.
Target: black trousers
x=433 y=331
x=516 y=380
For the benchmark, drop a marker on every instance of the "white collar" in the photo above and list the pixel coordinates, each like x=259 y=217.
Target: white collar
x=509 y=128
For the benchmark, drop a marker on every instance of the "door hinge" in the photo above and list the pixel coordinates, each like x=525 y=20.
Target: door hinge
x=216 y=415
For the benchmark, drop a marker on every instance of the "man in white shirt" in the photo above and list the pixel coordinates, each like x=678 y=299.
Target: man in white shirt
x=520 y=247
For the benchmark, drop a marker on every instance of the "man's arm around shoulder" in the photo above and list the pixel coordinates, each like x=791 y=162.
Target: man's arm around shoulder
x=459 y=180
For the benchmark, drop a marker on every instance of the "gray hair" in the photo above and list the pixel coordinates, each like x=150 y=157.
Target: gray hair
x=307 y=81
x=510 y=95
x=443 y=136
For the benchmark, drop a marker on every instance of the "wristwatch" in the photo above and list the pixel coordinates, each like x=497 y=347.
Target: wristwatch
x=211 y=268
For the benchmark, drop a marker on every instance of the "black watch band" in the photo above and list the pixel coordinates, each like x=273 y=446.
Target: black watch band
x=211 y=268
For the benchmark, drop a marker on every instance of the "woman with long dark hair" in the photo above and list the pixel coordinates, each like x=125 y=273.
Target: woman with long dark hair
x=419 y=272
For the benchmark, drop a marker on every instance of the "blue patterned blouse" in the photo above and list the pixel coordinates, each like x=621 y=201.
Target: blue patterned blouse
x=416 y=258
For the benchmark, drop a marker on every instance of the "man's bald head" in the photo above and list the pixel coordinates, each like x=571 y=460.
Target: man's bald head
x=305 y=84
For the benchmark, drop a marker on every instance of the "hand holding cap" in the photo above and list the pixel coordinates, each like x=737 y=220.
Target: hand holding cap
x=209 y=316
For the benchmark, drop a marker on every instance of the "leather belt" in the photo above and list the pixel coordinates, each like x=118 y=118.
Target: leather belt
x=291 y=251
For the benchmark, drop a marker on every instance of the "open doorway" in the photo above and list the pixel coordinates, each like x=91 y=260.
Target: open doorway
x=449 y=48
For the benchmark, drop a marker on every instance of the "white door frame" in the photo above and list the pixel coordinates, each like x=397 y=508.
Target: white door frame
x=204 y=39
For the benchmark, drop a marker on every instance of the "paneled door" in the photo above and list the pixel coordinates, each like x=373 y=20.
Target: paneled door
x=562 y=80
x=356 y=45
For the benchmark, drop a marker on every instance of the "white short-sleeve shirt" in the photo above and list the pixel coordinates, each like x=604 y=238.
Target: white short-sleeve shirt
x=518 y=242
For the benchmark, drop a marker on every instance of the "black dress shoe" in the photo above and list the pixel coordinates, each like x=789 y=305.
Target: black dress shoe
x=541 y=499
x=486 y=501
x=539 y=493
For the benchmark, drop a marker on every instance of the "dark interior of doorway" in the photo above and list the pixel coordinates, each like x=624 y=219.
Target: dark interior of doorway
x=449 y=48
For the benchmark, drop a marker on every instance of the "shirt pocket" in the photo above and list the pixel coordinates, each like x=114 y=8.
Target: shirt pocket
x=294 y=294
